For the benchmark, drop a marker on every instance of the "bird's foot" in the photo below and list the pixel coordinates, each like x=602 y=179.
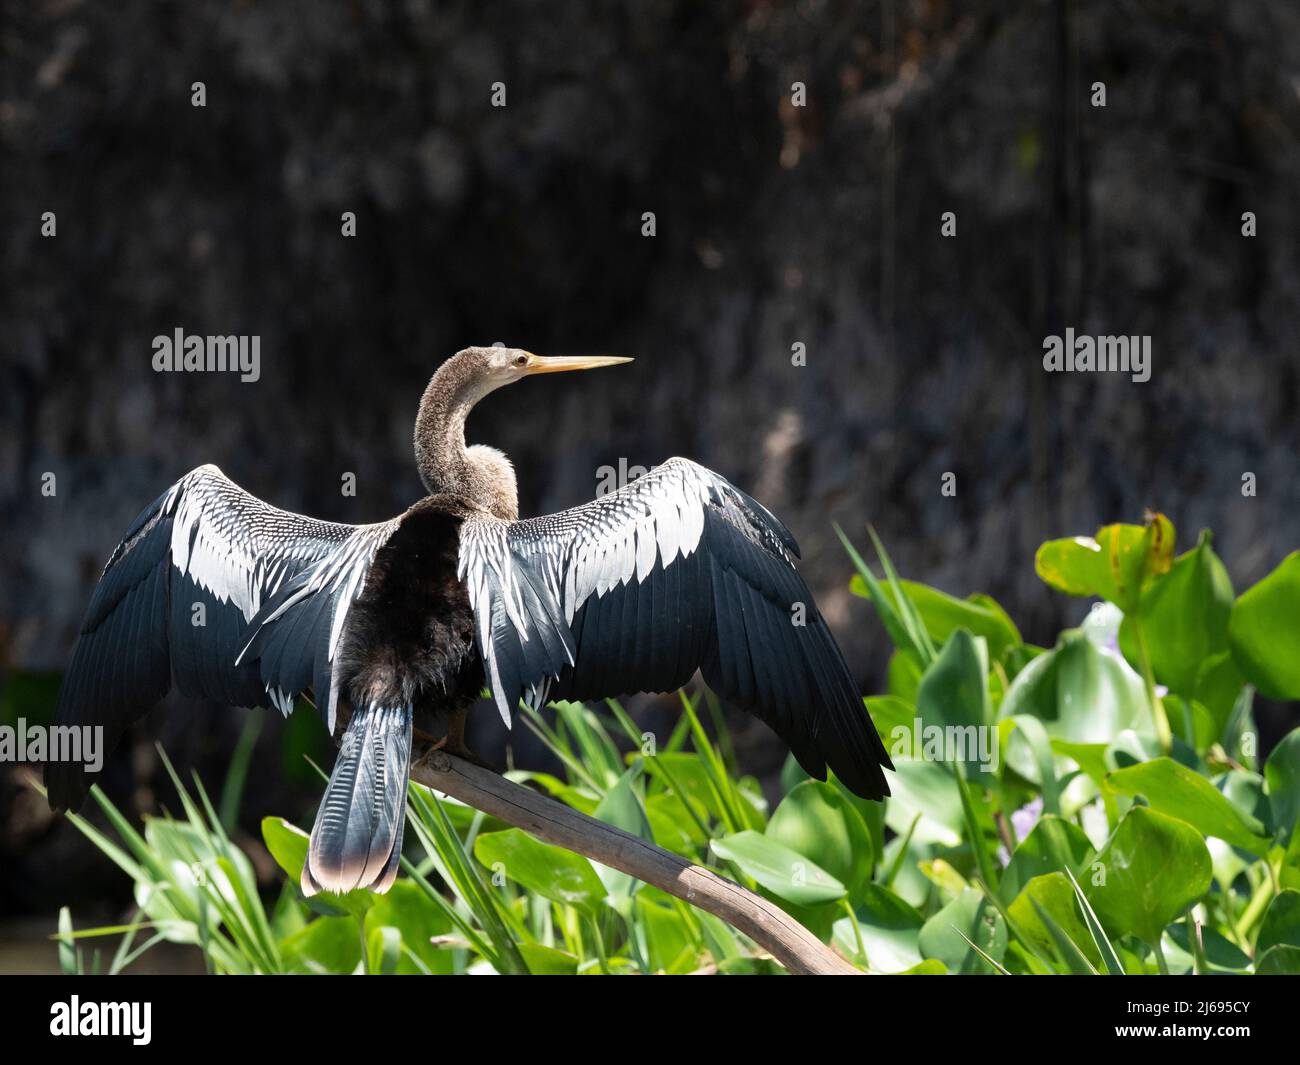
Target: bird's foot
x=448 y=745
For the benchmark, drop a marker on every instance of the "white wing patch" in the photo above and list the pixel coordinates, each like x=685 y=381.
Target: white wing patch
x=241 y=550
x=587 y=550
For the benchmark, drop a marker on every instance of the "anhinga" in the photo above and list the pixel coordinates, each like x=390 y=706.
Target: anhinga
x=634 y=591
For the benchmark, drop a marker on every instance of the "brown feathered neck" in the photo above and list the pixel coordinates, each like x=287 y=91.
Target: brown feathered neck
x=480 y=474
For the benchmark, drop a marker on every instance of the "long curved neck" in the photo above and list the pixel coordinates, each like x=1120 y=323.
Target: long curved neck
x=440 y=452
x=481 y=474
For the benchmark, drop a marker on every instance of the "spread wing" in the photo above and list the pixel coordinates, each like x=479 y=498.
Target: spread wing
x=637 y=589
x=227 y=596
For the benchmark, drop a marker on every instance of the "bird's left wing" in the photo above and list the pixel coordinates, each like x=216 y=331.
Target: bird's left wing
x=223 y=594
x=678 y=570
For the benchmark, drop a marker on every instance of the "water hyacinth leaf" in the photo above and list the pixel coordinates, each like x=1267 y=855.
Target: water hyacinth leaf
x=953 y=690
x=942 y=614
x=552 y=872
x=929 y=967
x=904 y=675
x=1151 y=869
x=1025 y=730
x=889 y=927
x=288 y=845
x=1115 y=565
x=971 y=917
x=1217 y=688
x=621 y=807
x=1282 y=774
x=1220 y=955
x=1281 y=923
x=1174 y=789
x=329 y=945
x=817 y=821
x=784 y=872
x=1264 y=631
x=671 y=945
x=1109 y=955
x=406 y=908
x=1185 y=618
x=383 y=950
x=548 y=961
x=924 y=788
x=1046 y=911
x=1053 y=845
x=672 y=825
x=893 y=717
x=1279 y=961
x=689 y=773
x=1080 y=693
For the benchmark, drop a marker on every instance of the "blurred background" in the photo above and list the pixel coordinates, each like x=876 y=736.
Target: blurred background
x=775 y=225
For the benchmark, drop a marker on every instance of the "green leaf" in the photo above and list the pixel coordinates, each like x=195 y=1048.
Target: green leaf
x=783 y=871
x=1080 y=693
x=817 y=821
x=1045 y=911
x=1114 y=967
x=892 y=716
x=1185 y=618
x=942 y=614
x=970 y=915
x=383 y=950
x=406 y=908
x=547 y=961
x=1053 y=845
x=904 y=675
x=1264 y=631
x=1115 y=565
x=1151 y=869
x=1280 y=961
x=924 y=788
x=621 y=807
x=1218 y=685
x=327 y=945
x=552 y=872
x=954 y=688
x=889 y=928
x=929 y=967
x=671 y=945
x=1282 y=773
x=897 y=622
x=288 y=845
x=1172 y=788
x=1281 y=923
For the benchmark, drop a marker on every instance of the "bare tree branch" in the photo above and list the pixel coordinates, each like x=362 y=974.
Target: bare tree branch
x=792 y=945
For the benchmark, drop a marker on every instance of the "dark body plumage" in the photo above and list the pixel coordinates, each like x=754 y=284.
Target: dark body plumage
x=409 y=637
x=231 y=599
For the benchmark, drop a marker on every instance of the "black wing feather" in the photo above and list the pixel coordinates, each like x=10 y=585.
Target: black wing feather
x=723 y=602
x=207 y=542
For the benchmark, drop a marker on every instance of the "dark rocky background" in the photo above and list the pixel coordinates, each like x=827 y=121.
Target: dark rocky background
x=776 y=225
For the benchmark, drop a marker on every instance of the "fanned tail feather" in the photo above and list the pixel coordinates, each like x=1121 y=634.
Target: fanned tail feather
x=356 y=841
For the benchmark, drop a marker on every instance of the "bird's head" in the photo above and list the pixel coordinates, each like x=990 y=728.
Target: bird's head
x=491 y=368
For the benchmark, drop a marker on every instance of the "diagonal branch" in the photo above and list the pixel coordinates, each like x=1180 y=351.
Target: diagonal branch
x=792 y=945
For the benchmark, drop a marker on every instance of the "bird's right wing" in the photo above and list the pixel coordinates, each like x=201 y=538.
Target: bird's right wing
x=634 y=591
x=233 y=599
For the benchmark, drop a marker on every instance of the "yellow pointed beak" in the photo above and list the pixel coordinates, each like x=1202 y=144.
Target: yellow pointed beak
x=560 y=363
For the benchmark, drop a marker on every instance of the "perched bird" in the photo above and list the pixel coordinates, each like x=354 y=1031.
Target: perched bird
x=634 y=591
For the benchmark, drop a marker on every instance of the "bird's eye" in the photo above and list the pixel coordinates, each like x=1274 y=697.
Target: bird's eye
x=521 y=360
